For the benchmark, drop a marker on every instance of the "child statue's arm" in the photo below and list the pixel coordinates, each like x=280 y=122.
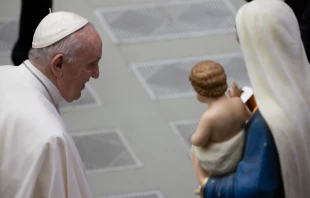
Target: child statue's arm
x=203 y=131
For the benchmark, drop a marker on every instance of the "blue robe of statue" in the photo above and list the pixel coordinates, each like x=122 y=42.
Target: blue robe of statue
x=258 y=174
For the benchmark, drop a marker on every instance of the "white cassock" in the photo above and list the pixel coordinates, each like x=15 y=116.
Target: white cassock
x=38 y=158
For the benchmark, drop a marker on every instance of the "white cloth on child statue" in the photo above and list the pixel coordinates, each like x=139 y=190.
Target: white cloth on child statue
x=38 y=157
x=221 y=158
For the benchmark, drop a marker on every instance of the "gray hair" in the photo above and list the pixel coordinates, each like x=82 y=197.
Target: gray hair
x=67 y=46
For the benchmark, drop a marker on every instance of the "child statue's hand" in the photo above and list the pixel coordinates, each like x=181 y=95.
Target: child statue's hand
x=236 y=91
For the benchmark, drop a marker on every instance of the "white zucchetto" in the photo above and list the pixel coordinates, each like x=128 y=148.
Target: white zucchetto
x=55 y=26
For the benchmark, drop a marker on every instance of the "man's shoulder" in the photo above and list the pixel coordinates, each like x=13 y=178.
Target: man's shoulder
x=35 y=119
x=43 y=118
x=6 y=69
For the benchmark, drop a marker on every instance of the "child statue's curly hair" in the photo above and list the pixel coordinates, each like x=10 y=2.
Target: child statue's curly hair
x=208 y=78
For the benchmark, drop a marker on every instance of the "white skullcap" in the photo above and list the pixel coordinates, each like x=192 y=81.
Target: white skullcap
x=55 y=26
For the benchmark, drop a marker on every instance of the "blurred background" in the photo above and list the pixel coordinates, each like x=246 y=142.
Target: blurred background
x=132 y=126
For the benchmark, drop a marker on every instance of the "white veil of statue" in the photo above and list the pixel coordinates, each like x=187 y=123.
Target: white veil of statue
x=279 y=72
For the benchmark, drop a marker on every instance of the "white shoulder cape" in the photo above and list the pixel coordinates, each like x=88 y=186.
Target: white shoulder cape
x=38 y=158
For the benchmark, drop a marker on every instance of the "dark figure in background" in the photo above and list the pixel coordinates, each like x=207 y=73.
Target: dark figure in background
x=304 y=25
x=32 y=12
x=301 y=8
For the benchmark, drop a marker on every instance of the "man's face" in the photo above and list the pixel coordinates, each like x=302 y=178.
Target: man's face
x=75 y=75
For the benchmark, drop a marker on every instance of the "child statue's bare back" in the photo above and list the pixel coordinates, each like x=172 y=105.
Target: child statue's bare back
x=222 y=120
x=218 y=140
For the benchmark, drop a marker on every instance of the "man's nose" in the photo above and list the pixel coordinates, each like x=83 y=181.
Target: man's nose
x=95 y=74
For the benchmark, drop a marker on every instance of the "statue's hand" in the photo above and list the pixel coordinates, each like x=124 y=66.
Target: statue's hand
x=236 y=91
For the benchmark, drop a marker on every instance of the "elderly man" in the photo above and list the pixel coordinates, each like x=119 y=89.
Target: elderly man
x=38 y=158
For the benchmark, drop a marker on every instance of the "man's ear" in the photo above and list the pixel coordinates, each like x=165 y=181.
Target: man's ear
x=57 y=65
